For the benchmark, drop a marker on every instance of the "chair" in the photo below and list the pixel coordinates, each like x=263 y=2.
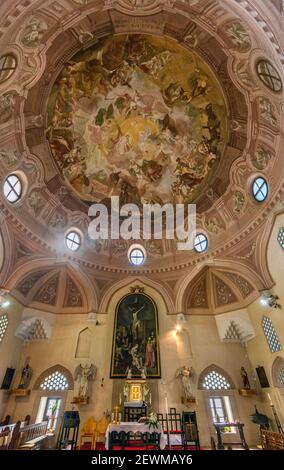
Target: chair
x=172 y=426
x=102 y=425
x=89 y=430
x=191 y=433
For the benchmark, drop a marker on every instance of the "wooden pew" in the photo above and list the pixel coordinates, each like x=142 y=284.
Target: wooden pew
x=27 y=437
x=6 y=434
x=32 y=437
x=271 y=440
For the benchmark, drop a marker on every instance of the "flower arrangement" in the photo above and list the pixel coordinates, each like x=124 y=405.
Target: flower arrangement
x=152 y=421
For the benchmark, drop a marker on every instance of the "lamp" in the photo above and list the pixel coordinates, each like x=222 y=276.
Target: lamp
x=4 y=302
x=92 y=317
x=181 y=320
x=269 y=300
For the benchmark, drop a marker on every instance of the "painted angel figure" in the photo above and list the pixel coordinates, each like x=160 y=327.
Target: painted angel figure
x=185 y=373
x=86 y=373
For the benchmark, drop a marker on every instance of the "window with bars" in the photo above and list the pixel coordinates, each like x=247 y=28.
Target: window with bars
x=54 y=382
x=271 y=335
x=3 y=326
x=281 y=375
x=269 y=75
x=215 y=381
x=280 y=237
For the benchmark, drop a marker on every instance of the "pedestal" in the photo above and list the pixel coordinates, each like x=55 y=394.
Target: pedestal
x=80 y=401
x=20 y=392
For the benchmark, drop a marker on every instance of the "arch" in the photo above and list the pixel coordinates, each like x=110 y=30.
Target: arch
x=83 y=343
x=87 y=288
x=231 y=266
x=277 y=371
x=219 y=370
x=153 y=287
x=51 y=370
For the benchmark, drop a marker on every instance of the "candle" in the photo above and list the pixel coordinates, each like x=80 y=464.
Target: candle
x=166 y=401
x=120 y=398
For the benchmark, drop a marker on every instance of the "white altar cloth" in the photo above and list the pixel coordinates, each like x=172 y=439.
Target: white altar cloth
x=135 y=427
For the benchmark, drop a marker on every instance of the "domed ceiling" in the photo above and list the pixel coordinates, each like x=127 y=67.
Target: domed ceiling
x=153 y=101
x=137 y=116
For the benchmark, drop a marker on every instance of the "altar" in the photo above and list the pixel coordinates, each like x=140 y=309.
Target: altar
x=135 y=428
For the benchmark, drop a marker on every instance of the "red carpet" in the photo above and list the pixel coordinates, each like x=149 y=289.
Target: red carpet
x=100 y=446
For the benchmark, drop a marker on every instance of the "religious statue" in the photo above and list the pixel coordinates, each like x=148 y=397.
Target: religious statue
x=26 y=376
x=245 y=378
x=185 y=373
x=86 y=373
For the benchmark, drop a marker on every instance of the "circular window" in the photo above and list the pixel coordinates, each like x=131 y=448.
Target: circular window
x=73 y=241
x=260 y=189
x=269 y=75
x=137 y=255
x=8 y=64
x=200 y=243
x=12 y=188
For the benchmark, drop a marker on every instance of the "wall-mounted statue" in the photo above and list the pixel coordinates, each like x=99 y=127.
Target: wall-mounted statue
x=26 y=376
x=85 y=374
x=245 y=378
x=185 y=373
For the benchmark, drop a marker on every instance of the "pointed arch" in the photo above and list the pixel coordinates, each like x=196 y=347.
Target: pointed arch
x=211 y=369
x=83 y=343
x=51 y=370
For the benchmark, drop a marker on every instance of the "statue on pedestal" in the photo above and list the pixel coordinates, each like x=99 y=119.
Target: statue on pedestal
x=245 y=378
x=85 y=374
x=185 y=373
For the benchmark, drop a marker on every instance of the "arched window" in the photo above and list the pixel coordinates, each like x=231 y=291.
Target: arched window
x=3 y=326
x=271 y=335
x=54 y=382
x=218 y=394
x=56 y=378
x=215 y=381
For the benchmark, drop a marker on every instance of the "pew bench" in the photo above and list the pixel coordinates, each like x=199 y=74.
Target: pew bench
x=32 y=437
x=6 y=433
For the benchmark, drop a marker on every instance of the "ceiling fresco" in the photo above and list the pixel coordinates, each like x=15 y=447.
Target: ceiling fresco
x=139 y=117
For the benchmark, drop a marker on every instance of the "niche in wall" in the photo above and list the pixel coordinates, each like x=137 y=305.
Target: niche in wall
x=84 y=343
